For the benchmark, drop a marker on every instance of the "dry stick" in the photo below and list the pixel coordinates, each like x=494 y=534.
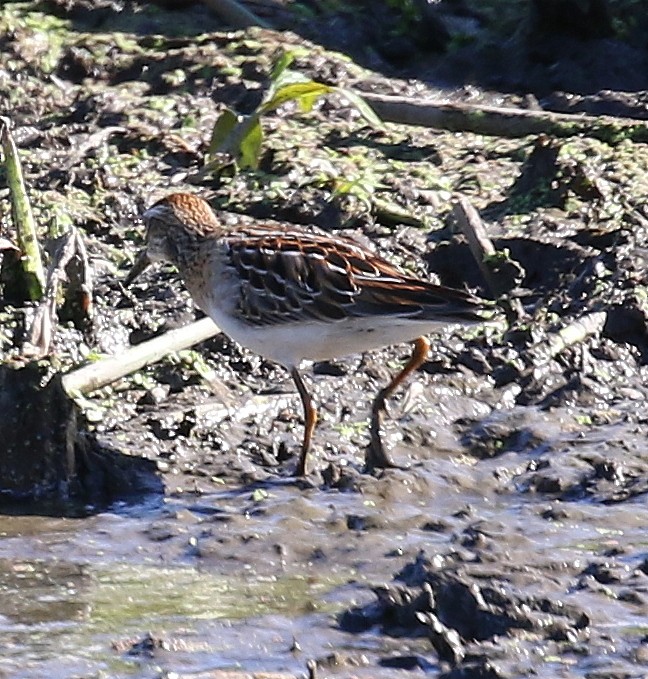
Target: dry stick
x=482 y=248
x=539 y=355
x=22 y=215
x=574 y=333
x=103 y=372
x=503 y=122
x=235 y=14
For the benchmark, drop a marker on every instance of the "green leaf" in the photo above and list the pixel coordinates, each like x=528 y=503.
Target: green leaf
x=365 y=110
x=296 y=91
x=282 y=64
x=307 y=102
x=223 y=127
x=250 y=147
x=287 y=78
x=281 y=75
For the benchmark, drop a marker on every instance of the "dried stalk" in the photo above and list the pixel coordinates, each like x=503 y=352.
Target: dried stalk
x=23 y=219
x=103 y=372
x=69 y=263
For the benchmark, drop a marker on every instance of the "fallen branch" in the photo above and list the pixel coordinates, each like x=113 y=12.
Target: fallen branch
x=503 y=122
x=23 y=219
x=107 y=370
x=501 y=273
x=536 y=359
x=574 y=333
x=235 y=14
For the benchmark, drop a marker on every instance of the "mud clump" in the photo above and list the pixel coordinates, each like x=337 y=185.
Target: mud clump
x=489 y=619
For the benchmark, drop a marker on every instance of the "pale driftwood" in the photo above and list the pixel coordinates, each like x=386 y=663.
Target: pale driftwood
x=538 y=356
x=235 y=14
x=502 y=122
x=574 y=333
x=103 y=372
x=486 y=255
x=481 y=246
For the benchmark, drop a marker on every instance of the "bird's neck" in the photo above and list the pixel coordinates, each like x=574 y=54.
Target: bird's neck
x=190 y=250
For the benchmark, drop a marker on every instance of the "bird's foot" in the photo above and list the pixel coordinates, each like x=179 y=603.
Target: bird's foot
x=300 y=470
x=376 y=457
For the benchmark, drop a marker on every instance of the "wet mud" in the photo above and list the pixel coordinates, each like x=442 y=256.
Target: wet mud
x=514 y=544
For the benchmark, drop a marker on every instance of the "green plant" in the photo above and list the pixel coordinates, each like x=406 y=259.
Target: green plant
x=240 y=138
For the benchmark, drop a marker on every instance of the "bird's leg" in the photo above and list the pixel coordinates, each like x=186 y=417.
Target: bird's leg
x=376 y=457
x=310 y=420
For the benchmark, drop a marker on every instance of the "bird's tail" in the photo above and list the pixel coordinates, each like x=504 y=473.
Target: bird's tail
x=413 y=298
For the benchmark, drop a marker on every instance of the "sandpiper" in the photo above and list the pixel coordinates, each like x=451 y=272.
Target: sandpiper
x=293 y=295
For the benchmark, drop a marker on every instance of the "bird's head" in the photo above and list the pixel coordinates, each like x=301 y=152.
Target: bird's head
x=174 y=227
x=175 y=224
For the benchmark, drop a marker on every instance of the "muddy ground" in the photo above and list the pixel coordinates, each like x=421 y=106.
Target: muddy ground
x=515 y=542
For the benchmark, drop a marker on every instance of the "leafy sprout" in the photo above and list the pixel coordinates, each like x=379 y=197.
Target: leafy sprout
x=240 y=138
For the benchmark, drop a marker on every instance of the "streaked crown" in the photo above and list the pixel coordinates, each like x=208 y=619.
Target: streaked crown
x=175 y=225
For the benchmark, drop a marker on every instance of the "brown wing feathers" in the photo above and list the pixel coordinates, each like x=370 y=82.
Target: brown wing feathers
x=287 y=276
x=418 y=299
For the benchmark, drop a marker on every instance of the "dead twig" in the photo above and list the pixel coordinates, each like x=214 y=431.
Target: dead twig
x=535 y=360
x=103 y=372
x=574 y=333
x=500 y=272
x=503 y=122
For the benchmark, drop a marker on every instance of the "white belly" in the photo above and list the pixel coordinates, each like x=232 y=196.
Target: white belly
x=292 y=343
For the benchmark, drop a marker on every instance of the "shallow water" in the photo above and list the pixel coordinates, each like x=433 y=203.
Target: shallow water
x=75 y=589
x=254 y=578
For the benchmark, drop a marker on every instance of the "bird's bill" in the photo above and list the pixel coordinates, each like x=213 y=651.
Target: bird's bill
x=141 y=263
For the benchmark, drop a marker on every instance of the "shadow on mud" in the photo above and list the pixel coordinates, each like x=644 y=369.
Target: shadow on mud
x=50 y=465
x=542 y=48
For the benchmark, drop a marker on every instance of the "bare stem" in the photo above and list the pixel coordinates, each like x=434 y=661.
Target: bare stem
x=103 y=372
x=23 y=218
